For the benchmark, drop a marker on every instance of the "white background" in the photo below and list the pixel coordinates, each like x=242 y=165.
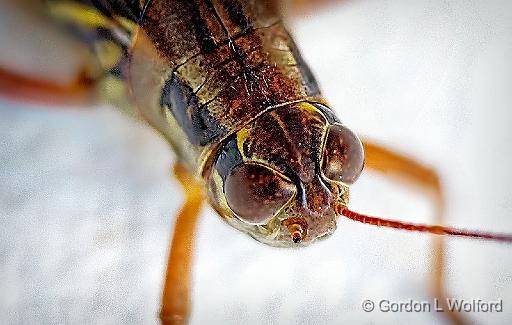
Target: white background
x=87 y=200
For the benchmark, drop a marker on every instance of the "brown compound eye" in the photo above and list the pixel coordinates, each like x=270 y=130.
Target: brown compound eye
x=255 y=193
x=343 y=157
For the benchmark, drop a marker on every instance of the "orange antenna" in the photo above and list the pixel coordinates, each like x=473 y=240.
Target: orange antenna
x=433 y=229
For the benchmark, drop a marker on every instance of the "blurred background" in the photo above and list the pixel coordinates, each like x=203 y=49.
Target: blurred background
x=87 y=199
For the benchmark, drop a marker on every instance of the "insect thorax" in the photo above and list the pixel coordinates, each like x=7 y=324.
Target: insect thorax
x=198 y=71
x=221 y=65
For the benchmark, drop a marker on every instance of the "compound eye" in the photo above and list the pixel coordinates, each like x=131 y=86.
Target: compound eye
x=256 y=193
x=343 y=157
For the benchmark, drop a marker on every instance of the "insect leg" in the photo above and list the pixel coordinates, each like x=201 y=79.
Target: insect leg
x=395 y=165
x=304 y=7
x=40 y=62
x=176 y=296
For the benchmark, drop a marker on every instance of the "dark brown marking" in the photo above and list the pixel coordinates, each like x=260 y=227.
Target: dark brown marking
x=201 y=27
x=183 y=103
x=228 y=156
x=236 y=14
x=130 y=9
x=309 y=79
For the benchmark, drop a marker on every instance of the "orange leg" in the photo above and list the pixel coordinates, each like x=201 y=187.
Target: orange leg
x=23 y=89
x=394 y=165
x=176 y=296
x=304 y=7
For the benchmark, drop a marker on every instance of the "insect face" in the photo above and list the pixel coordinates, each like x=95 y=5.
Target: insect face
x=281 y=178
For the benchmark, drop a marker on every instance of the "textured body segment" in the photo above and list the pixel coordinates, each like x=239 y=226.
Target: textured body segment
x=225 y=63
x=295 y=133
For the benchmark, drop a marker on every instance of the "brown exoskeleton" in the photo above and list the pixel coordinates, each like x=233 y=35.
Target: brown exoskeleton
x=224 y=82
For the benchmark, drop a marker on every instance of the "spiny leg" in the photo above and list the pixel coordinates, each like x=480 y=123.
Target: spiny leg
x=176 y=295
x=392 y=164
